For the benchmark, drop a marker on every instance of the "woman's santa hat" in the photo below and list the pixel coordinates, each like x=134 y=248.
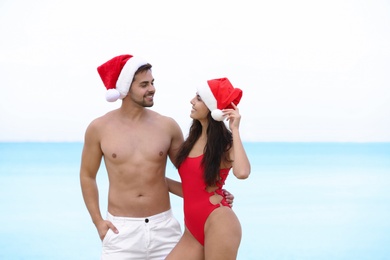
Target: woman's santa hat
x=117 y=75
x=218 y=94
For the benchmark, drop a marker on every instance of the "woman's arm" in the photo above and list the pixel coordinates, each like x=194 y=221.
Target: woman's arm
x=241 y=165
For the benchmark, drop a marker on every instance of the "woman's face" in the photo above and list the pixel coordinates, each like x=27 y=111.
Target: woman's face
x=199 y=109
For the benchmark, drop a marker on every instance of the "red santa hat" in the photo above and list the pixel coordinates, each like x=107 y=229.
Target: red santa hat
x=117 y=75
x=218 y=94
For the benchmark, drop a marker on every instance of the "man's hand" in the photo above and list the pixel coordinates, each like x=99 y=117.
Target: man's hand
x=103 y=227
x=229 y=197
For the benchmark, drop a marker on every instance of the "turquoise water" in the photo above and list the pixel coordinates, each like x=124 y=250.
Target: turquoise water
x=302 y=201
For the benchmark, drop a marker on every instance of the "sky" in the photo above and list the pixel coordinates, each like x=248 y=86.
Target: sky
x=310 y=71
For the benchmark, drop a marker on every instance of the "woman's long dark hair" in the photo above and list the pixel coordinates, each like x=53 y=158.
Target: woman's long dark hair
x=219 y=141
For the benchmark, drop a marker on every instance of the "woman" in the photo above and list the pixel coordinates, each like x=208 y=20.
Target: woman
x=212 y=230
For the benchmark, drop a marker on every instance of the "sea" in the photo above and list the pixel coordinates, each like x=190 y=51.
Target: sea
x=301 y=201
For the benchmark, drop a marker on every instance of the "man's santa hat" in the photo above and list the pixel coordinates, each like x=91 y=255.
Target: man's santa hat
x=117 y=75
x=218 y=94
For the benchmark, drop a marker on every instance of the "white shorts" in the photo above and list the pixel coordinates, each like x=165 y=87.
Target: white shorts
x=141 y=238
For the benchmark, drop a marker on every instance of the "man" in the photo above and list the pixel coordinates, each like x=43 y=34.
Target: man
x=135 y=143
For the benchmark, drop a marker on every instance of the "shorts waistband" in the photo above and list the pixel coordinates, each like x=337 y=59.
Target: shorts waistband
x=155 y=218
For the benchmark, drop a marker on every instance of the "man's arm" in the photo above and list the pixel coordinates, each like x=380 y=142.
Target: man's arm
x=174 y=187
x=90 y=163
x=176 y=141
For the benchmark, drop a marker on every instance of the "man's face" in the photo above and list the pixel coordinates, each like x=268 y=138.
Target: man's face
x=142 y=89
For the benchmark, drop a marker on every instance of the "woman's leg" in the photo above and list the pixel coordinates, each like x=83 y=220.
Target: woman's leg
x=222 y=234
x=187 y=248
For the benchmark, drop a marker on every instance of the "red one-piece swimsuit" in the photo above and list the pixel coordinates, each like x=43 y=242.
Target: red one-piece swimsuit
x=197 y=205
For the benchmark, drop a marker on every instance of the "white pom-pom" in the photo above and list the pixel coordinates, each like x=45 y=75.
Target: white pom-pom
x=217 y=115
x=112 y=95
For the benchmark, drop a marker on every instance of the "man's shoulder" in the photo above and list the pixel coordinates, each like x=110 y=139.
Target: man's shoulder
x=103 y=119
x=161 y=117
x=164 y=121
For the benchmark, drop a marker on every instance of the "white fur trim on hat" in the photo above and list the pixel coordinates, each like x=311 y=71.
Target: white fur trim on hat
x=126 y=76
x=208 y=98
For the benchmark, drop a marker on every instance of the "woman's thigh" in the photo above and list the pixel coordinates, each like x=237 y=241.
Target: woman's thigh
x=187 y=248
x=222 y=234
